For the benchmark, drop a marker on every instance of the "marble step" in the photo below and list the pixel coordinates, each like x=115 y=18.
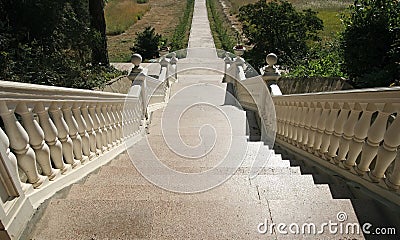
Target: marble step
x=129 y=219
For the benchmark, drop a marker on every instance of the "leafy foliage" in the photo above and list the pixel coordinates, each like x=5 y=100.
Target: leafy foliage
x=181 y=34
x=279 y=28
x=323 y=60
x=147 y=43
x=220 y=26
x=370 y=42
x=49 y=42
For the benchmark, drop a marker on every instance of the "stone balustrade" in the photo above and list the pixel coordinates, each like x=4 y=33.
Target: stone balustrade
x=357 y=130
x=353 y=132
x=51 y=137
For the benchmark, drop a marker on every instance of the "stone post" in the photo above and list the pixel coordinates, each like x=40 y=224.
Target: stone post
x=271 y=74
x=138 y=77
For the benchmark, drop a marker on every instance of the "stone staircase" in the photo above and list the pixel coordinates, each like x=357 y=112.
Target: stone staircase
x=118 y=203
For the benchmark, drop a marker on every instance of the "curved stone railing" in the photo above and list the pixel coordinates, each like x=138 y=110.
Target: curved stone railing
x=51 y=137
x=355 y=133
x=356 y=130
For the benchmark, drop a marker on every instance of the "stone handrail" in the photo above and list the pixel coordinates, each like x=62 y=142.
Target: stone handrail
x=51 y=137
x=355 y=132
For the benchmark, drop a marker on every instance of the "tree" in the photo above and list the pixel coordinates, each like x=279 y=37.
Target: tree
x=98 y=24
x=371 y=55
x=147 y=43
x=277 y=27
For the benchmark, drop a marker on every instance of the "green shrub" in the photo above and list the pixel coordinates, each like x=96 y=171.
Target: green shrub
x=147 y=43
x=223 y=33
x=181 y=34
x=370 y=52
x=279 y=28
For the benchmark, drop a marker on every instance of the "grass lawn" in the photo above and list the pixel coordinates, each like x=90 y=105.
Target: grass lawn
x=163 y=15
x=121 y=14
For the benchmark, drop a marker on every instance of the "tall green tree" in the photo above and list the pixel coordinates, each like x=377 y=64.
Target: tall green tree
x=279 y=28
x=98 y=24
x=370 y=42
x=49 y=42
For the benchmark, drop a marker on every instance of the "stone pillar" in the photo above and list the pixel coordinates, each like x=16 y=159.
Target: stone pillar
x=271 y=74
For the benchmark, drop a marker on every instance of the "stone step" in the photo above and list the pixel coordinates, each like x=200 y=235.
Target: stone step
x=290 y=187
x=127 y=219
x=313 y=211
x=118 y=170
x=236 y=189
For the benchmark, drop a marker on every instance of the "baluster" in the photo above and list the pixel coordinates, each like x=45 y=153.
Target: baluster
x=50 y=136
x=348 y=133
x=393 y=181
x=287 y=121
x=112 y=123
x=297 y=118
x=360 y=133
x=387 y=152
x=19 y=142
x=338 y=131
x=314 y=121
x=73 y=132
x=329 y=128
x=13 y=160
x=89 y=128
x=100 y=144
x=107 y=122
x=302 y=125
x=307 y=128
x=374 y=137
x=36 y=140
x=321 y=126
x=105 y=131
x=292 y=124
x=279 y=115
x=118 y=120
x=62 y=130
x=81 y=127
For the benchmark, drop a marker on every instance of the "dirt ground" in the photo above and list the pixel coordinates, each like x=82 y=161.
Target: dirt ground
x=163 y=16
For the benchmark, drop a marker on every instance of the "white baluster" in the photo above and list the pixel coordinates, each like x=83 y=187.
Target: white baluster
x=307 y=126
x=100 y=145
x=50 y=136
x=81 y=126
x=321 y=126
x=62 y=130
x=36 y=140
x=296 y=119
x=329 y=128
x=303 y=130
x=14 y=165
x=374 y=138
x=73 y=133
x=105 y=132
x=112 y=123
x=393 y=181
x=348 y=133
x=110 y=131
x=89 y=128
x=360 y=133
x=387 y=152
x=19 y=142
x=314 y=127
x=338 y=131
x=118 y=121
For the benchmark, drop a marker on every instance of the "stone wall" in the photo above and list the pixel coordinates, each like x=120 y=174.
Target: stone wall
x=312 y=84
